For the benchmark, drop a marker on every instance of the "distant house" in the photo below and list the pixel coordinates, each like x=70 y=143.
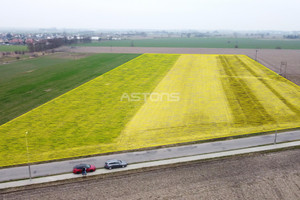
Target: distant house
x=79 y=37
x=95 y=38
x=29 y=41
x=16 y=41
x=116 y=38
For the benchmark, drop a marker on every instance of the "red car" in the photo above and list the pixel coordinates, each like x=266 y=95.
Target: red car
x=78 y=168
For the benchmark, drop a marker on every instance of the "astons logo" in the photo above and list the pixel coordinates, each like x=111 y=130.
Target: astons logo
x=155 y=97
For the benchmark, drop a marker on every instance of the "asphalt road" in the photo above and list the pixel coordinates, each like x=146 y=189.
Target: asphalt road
x=265 y=176
x=60 y=167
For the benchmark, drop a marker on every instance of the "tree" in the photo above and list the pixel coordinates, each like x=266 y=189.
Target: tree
x=9 y=36
x=31 y=47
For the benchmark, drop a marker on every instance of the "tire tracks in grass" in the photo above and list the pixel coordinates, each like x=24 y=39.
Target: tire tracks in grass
x=245 y=107
x=276 y=93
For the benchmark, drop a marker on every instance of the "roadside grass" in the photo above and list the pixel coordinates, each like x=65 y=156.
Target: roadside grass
x=12 y=48
x=245 y=43
x=29 y=83
x=86 y=120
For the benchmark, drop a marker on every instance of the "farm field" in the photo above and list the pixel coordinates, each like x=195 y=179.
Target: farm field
x=11 y=48
x=85 y=120
x=219 y=96
x=244 y=43
x=271 y=58
x=29 y=83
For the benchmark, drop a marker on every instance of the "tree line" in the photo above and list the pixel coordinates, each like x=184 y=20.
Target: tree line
x=44 y=45
x=292 y=36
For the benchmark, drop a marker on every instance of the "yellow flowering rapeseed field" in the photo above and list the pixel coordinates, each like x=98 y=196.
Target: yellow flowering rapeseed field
x=220 y=96
x=155 y=99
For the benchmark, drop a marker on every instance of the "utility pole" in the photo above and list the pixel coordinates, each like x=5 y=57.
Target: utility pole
x=29 y=170
x=277 y=127
x=275 y=139
x=256 y=54
x=283 y=66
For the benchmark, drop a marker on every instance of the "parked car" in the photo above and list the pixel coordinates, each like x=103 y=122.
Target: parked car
x=78 y=168
x=110 y=164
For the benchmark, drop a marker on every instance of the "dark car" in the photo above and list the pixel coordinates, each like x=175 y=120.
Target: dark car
x=78 y=168
x=110 y=164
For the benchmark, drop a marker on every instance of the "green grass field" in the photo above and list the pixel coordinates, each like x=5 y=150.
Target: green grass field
x=11 y=48
x=245 y=43
x=27 y=84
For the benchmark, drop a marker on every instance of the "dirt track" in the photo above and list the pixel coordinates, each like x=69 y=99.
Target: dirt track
x=271 y=58
x=261 y=176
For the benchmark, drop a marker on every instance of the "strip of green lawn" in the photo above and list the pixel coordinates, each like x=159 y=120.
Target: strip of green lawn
x=245 y=43
x=10 y=48
x=25 y=85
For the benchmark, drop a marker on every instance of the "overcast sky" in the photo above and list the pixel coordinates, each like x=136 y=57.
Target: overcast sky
x=152 y=14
